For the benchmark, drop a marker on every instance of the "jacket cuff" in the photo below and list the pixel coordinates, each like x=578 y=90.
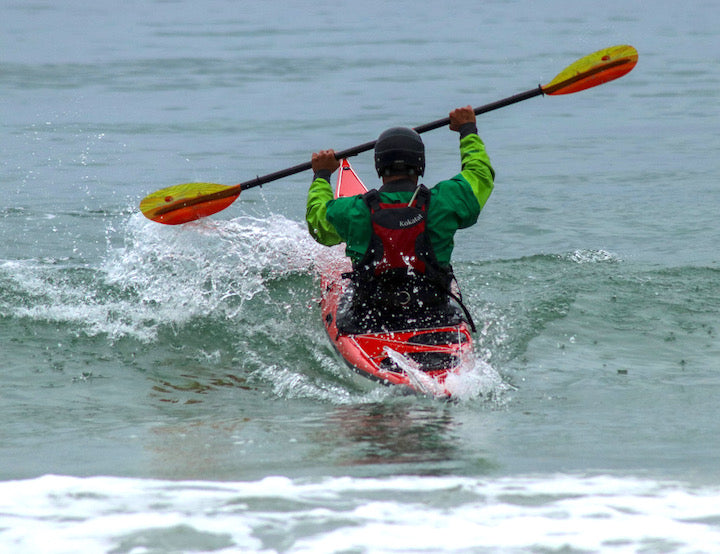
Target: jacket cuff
x=469 y=128
x=323 y=174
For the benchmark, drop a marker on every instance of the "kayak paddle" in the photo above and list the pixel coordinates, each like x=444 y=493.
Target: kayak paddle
x=191 y=201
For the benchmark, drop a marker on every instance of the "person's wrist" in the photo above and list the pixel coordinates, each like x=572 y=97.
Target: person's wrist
x=323 y=174
x=468 y=128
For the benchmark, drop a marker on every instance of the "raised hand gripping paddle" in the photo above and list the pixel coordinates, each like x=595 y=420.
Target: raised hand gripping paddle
x=191 y=201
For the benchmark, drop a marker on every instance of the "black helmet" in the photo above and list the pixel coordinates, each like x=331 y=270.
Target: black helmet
x=399 y=150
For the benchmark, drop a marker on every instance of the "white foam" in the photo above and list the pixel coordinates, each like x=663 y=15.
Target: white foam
x=592 y=256
x=394 y=514
x=421 y=381
x=477 y=379
x=164 y=275
x=473 y=378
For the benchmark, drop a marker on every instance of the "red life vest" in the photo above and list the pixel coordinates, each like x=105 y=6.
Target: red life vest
x=399 y=274
x=399 y=240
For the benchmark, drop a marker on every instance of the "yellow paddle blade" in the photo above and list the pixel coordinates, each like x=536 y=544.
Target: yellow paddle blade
x=594 y=69
x=187 y=202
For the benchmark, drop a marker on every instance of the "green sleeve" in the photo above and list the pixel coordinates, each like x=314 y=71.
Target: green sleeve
x=476 y=168
x=456 y=203
x=350 y=217
x=320 y=228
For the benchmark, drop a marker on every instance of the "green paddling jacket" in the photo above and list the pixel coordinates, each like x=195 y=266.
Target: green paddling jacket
x=454 y=204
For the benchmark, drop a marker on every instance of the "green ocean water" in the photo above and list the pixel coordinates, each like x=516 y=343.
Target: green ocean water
x=172 y=389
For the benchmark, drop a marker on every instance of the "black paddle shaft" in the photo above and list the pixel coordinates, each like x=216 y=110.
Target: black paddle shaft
x=355 y=150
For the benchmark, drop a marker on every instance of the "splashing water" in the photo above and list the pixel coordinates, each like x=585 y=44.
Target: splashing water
x=228 y=258
x=421 y=381
x=161 y=275
x=477 y=379
x=474 y=378
x=213 y=272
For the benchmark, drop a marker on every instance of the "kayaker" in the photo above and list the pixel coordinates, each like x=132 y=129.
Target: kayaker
x=400 y=238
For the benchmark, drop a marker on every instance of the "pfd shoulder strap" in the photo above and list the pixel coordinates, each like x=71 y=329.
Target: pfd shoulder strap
x=422 y=198
x=372 y=199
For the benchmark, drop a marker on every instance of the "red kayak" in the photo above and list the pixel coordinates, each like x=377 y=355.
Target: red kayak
x=419 y=359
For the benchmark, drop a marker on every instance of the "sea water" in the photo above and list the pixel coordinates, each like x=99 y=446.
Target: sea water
x=171 y=389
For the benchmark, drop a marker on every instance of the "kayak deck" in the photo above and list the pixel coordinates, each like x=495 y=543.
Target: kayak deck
x=408 y=357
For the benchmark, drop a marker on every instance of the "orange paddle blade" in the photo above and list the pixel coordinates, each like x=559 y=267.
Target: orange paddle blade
x=187 y=202
x=592 y=70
